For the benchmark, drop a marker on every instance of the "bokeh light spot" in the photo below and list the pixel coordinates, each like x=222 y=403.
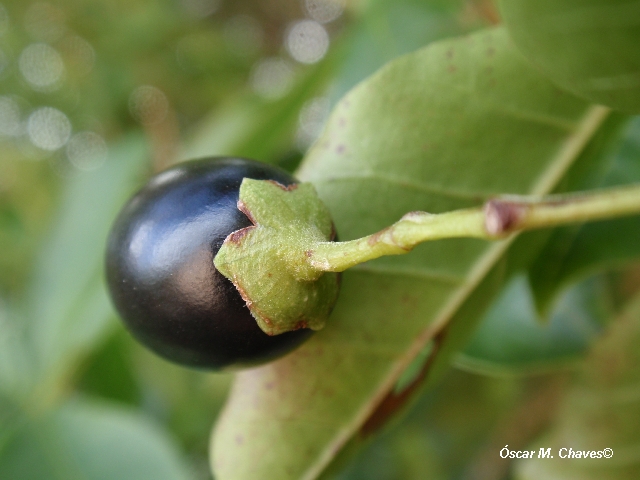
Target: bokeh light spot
x=80 y=54
x=41 y=66
x=324 y=11
x=311 y=120
x=48 y=128
x=307 y=41
x=87 y=151
x=272 y=78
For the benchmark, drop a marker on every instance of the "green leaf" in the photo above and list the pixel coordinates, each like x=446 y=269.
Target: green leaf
x=108 y=371
x=85 y=440
x=11 y=420
x=16 y=366
x=601 y=410
x=446 y=433
x=390 y=28
x=589 y=47
x=575 y=252
x=67 y=306
x=187 y=400
x=26 y=196
x=526 y=344
x=440 y=129
x=512 y=339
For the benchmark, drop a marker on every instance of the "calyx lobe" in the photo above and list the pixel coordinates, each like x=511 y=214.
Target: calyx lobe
x=267 y=262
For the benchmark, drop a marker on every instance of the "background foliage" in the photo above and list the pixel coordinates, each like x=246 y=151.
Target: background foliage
x=95 y=95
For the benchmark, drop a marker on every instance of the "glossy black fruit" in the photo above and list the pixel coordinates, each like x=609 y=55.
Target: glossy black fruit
x=160 y=268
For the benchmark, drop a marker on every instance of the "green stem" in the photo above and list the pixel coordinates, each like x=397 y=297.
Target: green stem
x=496 y=219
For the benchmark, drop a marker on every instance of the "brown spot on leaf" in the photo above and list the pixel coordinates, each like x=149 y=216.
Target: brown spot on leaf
x=340 y=149
x=452 y=69
x=409 y=301
x=394 y=401
x=309 y=253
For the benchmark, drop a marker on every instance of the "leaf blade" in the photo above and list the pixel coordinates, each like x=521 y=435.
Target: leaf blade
x=574 y=252
x=600 y=411
x=66 y=308
x=587 y=47
x=87 y=439
x=296 y=414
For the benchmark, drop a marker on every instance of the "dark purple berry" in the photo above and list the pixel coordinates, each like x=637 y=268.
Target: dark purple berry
x=160 y=268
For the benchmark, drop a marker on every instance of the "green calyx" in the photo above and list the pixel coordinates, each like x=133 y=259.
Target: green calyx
x=268 y=261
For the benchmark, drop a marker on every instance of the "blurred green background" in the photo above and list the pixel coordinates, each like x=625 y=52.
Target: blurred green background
x=95 y=95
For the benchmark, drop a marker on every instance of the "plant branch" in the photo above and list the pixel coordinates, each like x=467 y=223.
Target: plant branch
x=497 y=219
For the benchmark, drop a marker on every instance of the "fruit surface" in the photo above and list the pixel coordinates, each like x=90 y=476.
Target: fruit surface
x=160 y=269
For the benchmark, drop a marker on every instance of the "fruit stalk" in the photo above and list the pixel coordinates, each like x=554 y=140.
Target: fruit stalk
x=498 y=218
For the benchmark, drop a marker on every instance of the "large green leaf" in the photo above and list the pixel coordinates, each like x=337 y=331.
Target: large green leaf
x=25 y=208
x=455 y=430
x=589 y=47
x=577 y=251
x=387 y=29
x=16 y=366
x=66 y=308
x=601 y=410
x=436 y=130
x=511 y=337
x=85 y=440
